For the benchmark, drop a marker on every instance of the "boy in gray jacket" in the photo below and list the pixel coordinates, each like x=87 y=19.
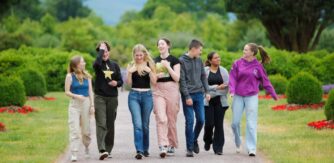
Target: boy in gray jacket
x=193 y=86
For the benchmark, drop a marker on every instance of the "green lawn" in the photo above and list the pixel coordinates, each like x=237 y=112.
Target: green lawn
x=37 y=137
x=283 y=136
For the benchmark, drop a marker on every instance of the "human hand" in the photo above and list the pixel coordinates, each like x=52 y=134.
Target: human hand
x=165 y=63
x=113 y=83
x=132 y=69
x=189 y=102
x=207 y=97
x=147 y=69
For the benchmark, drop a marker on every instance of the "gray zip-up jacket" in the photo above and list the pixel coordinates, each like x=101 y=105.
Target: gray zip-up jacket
x=218 y=92
x=193 y=78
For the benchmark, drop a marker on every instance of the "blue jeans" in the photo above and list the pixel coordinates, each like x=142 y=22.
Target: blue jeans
x=188 y=111
x=141 y=105
x=250 y=105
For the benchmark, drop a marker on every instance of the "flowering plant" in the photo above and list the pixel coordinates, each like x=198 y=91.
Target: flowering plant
x=292 y=107
x=16 y=109
x=2 y=127
x=322 y=124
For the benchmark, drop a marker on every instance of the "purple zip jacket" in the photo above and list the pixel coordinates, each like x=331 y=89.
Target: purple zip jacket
x=245 y=78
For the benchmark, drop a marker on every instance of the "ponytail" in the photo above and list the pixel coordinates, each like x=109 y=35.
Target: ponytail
x=209 y=58
x=207 y=63
x=265 y=59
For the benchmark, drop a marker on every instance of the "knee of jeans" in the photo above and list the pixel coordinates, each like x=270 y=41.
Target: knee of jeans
x=189 y=122
x=200 y=121
x=234 y=125
x=138 y=127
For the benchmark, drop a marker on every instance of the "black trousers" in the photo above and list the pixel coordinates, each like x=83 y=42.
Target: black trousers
x=214 y=124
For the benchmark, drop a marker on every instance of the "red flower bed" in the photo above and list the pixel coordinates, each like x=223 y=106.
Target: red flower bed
x=268 y=97
x=2 y=127
x=33 y=98
x=322 y=124
x=292 y=107
x=16 y=109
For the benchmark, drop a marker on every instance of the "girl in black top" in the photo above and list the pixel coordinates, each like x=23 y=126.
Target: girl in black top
x=140 y=75
x=166 y=98
x=215 y=109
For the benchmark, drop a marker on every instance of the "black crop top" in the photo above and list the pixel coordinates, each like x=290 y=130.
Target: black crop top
x=140 y=81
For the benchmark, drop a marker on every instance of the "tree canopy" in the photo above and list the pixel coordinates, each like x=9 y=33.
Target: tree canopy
x=294 y=26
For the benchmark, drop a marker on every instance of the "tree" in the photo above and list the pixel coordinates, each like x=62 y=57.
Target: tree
x=199 y=7
x=294 y=26
x=21 y=8
x=64 y=9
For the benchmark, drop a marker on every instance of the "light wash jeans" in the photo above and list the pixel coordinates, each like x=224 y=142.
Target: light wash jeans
x=141 y=106
x=250 y=105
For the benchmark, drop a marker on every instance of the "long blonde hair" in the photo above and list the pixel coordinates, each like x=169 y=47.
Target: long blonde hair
x=79 y=74
x=147 y=59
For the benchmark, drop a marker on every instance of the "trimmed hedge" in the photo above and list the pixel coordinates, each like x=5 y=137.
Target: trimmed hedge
x=34 y=82
x=329 y=107
x=304 y=89
x=279 y=82
x=52 y=63
x=12 y=91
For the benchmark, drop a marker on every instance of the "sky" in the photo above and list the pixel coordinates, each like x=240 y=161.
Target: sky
x=112 y=10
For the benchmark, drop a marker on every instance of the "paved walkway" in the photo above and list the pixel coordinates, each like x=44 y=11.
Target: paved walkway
x=124 y=150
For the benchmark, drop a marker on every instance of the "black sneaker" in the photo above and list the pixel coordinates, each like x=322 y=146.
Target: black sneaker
x=219 y=153
x=146 y=154
x=196 y=148
x=190 y=153
x=207 y=146
x=139 y=156
x=251 y=154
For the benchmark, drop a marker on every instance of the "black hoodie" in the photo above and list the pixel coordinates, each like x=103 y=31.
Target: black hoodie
x=102 y=87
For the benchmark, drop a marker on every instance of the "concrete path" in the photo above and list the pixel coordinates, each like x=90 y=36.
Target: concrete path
x=124 y=150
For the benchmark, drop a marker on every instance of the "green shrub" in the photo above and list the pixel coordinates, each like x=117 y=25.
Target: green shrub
x=34 y=82
x=307 y=63
x=12 y=91
x=324 y=70
x=304 y=89
x=279 y=82
x=52 y=63
x=329 y=107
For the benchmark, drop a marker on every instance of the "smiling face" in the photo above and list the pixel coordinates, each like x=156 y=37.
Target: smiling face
x=139 y=56
x=82 y=64
x=163 y=46
x=215 y=61
x=248 y=53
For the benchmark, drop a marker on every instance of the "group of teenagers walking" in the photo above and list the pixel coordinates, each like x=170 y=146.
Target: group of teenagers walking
x=157 y=85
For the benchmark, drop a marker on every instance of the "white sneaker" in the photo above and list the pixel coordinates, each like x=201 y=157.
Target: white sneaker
x=163 y=151
x=74 y=158
x=109 y=155
x=103 y=155
x=87 y=153
x=238 y=149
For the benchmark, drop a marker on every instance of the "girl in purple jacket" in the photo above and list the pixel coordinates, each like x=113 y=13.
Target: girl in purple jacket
x=245 y=77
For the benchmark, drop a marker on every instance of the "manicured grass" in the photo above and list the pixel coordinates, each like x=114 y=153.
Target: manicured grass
x=283 y=136
x=38 y=136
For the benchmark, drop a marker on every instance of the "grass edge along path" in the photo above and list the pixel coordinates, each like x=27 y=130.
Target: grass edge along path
x=284 y=136
x=39 y=136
